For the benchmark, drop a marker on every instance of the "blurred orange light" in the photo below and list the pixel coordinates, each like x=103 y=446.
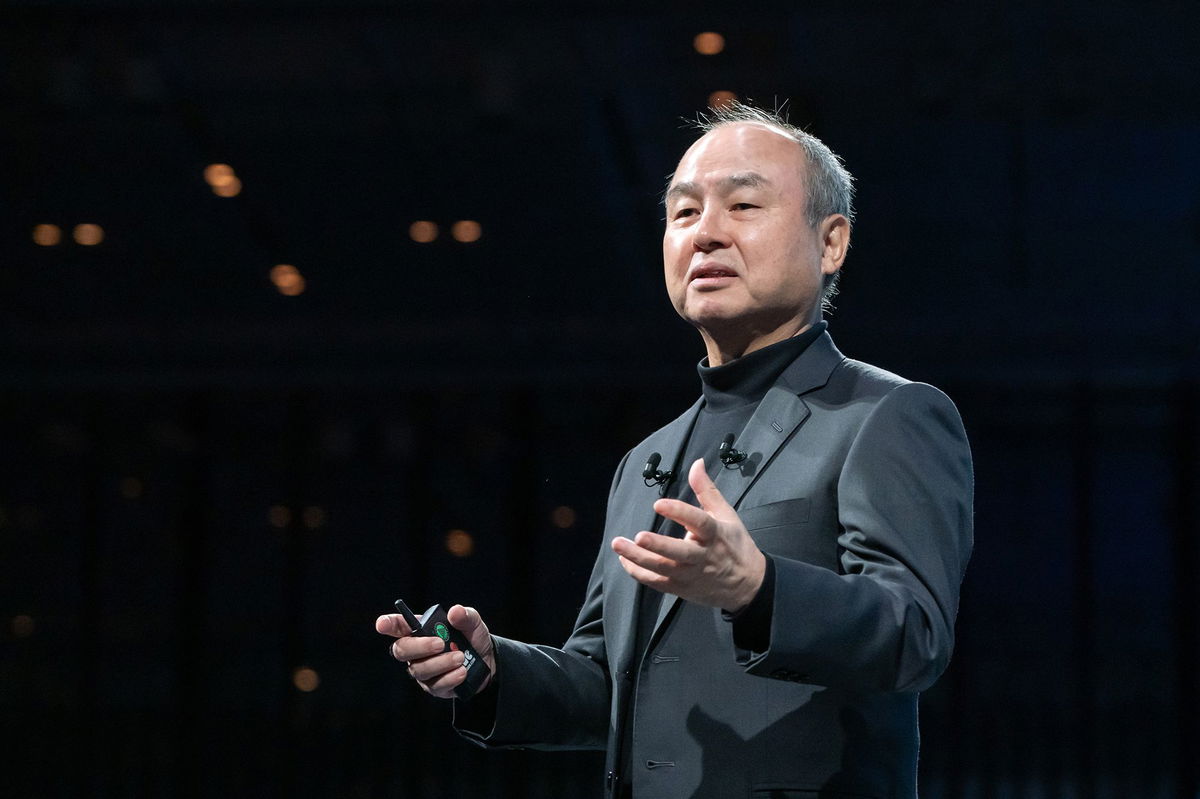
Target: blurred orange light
x=88 y=234
x=279 y=516
x=459 y=543
x=47 y=235
x=131 y=487
x=422 y=231
x=314 y=517
x=563 y=517
x=306 y=679
x=219 y=174
x=720 y=99
x=288 y=280
x=22 y=626
x=232 y=188
x=709 y=43
x=466 y=231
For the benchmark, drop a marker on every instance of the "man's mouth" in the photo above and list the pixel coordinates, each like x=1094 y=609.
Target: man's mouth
x=713 y=273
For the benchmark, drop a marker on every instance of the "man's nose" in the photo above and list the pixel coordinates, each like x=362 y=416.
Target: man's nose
x=711 y=233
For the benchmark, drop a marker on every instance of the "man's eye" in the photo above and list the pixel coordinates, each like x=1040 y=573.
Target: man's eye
x=743 y=206
x=683 y=212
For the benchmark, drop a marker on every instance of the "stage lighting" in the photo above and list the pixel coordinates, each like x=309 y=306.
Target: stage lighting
x=563 y=517
x=709 y=43
x=720 y=99
x=306 y=679
x=279 y=516
x=466 y=231
x=88 y=234
x=47 y=235
x=232 y=188
x=287 y=280
x=423 y=231
x=459 y=543
x=219 y=175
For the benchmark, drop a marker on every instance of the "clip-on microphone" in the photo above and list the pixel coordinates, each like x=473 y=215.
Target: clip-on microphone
x=730 y=456
x=651 y=475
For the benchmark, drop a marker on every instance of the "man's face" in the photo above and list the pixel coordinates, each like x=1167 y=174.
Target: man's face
x=741 y=262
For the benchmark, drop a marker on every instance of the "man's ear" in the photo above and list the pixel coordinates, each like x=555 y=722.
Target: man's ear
x=835 y=242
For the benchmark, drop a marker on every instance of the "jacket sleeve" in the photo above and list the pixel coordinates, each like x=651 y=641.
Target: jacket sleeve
x=905 y=533
x=545 y=697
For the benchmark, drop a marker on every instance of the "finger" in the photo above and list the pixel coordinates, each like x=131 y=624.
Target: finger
x=677 y=551
x=645 y=576
x=430 y=669
x=706 y=490
x=443 y=686
x=410 y=648
x=464 y=618
x=643 y=557
x=470 y=623
x=392 y=624
x=695 y=520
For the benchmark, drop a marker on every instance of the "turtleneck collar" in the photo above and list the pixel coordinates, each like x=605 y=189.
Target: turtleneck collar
x=745 y=380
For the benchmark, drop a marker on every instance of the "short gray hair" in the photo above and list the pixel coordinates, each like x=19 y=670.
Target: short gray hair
x=828 y=185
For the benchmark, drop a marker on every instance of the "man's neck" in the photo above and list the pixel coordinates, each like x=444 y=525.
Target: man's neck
x=725 y=349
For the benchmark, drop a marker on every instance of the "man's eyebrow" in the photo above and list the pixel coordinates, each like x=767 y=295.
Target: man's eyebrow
x=725 y=185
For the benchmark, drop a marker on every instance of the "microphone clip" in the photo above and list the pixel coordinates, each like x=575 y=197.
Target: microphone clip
x=652 y=475
x=728 y=455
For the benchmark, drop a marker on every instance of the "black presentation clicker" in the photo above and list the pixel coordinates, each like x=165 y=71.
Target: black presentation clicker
x=434 y=623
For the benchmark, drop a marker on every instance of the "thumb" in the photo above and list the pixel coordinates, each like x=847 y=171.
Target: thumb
x=706 y=491
x=469 y=622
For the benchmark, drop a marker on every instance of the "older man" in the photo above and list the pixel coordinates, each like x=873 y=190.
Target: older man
x=781 y=579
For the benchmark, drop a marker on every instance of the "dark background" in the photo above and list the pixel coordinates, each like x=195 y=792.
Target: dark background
x=206 y=486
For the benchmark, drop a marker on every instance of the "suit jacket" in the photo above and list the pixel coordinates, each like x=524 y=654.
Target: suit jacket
x=859 y=485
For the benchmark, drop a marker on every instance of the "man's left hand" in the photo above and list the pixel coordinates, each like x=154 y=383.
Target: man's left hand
x=715 y=564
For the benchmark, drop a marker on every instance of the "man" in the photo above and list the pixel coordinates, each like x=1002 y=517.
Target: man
x=760 y=620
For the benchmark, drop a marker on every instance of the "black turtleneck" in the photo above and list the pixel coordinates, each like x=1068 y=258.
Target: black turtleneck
x=731 y=393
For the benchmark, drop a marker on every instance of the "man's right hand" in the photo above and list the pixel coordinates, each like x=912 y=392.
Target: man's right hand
x=438 y=672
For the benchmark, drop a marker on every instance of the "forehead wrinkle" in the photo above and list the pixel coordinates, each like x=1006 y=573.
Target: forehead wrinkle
x=725 y=185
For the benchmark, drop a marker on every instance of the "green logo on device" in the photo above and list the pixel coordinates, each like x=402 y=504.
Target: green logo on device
x=441 y=631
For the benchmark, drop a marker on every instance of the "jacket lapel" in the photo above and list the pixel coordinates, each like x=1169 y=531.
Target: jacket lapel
x=638 y=499
x=775 y=420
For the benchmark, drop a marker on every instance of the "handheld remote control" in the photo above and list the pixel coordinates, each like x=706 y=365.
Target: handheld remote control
x=434 y=623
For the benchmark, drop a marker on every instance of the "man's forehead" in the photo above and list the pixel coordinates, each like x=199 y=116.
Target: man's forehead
x=740 y=148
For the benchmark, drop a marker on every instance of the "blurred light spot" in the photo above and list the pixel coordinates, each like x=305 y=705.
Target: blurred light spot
x=279 y=516
x=459 y=543
x=287 y=280
x=88 y=234
x=423 y=231
x=563 y=517
x=131 y=487
x=47 y=235
x=720 y=99
x=305 y=679
x=22 y=626
x=231 y=189
x=708 y=43
x=313 y=517
x=466 y=231
x=219 y=175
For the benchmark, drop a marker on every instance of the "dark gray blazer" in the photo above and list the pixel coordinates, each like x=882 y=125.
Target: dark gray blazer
x=859 y=484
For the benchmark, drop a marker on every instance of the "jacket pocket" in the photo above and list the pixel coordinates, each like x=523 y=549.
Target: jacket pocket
x=782 y=529
x=773 y=514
